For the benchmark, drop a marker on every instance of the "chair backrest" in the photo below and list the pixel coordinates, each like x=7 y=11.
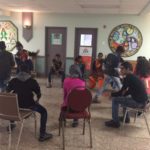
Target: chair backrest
x=79 y=99
x=9 y=109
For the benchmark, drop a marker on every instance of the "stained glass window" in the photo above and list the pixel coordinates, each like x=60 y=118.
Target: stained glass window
x=8 y=34
x=127 y=35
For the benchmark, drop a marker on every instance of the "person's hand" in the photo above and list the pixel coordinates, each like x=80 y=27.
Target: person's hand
x=37 y=101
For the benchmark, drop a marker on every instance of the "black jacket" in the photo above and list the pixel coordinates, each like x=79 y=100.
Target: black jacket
x=6 y=63
x=25 y=89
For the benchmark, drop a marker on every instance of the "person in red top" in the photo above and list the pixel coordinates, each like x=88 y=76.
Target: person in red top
x=22 y=57
x=97 y=72
x=142 y=70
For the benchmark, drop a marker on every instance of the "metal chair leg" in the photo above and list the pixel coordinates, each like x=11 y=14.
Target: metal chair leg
x=135 y=117
x=63 y=134
x=146 y=123
x=83 y=127
x=125 y=115
x=60 y=125
x=90 y=131
x=20 y=134
x=9 y=142
x=35 y=123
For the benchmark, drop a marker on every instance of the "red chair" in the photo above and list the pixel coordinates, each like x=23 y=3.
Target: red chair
x=79 y=100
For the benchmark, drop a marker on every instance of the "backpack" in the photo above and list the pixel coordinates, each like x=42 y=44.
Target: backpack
x=111 y=62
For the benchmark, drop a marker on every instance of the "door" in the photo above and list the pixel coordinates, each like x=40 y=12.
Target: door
x=85 y=45
x=55 y=44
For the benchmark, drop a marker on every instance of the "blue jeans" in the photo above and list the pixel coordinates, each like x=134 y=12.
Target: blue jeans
x=43 y=120
x=124 y=102
x=52 y=71
x=43 y=112
x=115 y=81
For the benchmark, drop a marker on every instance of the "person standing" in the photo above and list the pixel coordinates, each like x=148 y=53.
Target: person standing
x=6 y=64
x=111 y=67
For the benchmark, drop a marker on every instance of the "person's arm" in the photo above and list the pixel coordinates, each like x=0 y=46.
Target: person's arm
x=36 y=89
x=12 y=61
x=123 y=90
x=10 y=87
x=30 y=64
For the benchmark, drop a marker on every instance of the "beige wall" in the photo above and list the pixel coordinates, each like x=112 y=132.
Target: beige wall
x=72 y=21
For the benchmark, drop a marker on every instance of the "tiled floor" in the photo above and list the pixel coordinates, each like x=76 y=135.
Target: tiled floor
x=132 y=137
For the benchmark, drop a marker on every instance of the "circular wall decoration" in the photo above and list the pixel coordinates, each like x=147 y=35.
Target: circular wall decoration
x=8 y=34
x=127 y=35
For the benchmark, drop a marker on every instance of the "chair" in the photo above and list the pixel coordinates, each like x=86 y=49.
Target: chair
x=138 y=110
x=79 y=100
x=9 y=110
x=141 y=110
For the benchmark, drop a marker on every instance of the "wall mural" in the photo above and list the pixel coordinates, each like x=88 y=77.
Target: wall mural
x=8 y=34
x=128 y=36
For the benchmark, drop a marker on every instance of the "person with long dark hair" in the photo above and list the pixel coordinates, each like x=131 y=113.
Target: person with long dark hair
x=142 y=68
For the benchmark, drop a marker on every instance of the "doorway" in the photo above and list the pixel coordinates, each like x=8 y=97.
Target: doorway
x=55 y=38
x=86 y=45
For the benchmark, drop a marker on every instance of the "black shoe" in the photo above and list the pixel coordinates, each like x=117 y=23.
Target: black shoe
x=95 y=100
x=139 y=113
x=126 y=121
x=49 y=85
x=12 y=127
x=75 y=124
x=45 y=136
x=112 y=124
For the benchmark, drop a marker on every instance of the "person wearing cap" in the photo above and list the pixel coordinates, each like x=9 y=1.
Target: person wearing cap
x=74 y=80
x=22 y=57
x=24 y=86
x=6 y=64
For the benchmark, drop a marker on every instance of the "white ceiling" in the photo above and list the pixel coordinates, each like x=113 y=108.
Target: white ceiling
x=134 y=7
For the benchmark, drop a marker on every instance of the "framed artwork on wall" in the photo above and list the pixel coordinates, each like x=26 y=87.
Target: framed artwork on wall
x=8 y=34
x=127 y=35
x=56 y=39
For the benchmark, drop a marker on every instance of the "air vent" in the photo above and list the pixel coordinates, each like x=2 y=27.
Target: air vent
x=100 y=6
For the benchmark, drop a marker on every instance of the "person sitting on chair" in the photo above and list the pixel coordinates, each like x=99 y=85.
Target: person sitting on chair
x=97 y=72
x=24 y=86
x=74 y=80
x=56 y=69
x=79 y=61
x=133 y=94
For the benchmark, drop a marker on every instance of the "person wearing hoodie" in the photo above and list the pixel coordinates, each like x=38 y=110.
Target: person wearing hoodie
x=74 y=80
x=24 y=86
x=6 y=64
